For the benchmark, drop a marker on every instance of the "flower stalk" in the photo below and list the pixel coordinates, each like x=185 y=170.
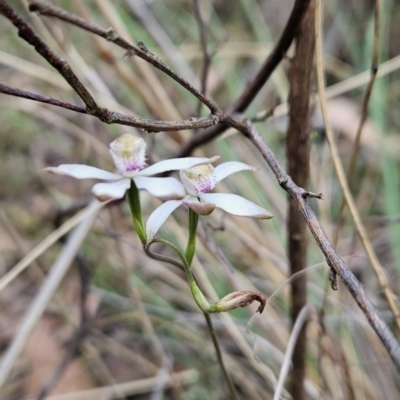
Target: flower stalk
x=134 y=204
x=191 y=245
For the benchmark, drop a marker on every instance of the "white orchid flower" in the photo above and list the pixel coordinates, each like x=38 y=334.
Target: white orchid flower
x=198 y=181
x=128 y=153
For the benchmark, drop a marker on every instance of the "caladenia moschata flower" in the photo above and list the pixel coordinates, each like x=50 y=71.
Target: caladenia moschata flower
x=128 y=153
x=198 y=182
x=129 y=156
x=198 y=178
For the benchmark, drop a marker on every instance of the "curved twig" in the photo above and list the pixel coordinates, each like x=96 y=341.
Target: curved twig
x=113 y=117
x=256 y=84
x=45 y=8
x=333 y=259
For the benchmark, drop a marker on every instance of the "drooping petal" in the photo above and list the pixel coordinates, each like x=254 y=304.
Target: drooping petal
x=163 y=188
x=81 y=171
x=229 y=168
x=159 y=216
x=199 y=207
x=236 y=205
x=129 y=154
x=198 y=179
x=111 y=191
x=175 y=164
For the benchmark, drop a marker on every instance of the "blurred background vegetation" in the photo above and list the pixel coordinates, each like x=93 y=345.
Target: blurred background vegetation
x=146 y=324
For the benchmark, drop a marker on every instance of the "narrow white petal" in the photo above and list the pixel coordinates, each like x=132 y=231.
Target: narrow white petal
x=236 y=205
x=81 y=171
x=229 y=168
x=163 y=188
x=111 y=191
x=159 y=216
x=175 y=164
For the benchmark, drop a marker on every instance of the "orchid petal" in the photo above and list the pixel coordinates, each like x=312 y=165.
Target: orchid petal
x=159 y=216
x=81 y=171
x=198 y=207
x=229 y=168
x=175 y=164
x=111 y=191
x=236 y=205
x=163 y=188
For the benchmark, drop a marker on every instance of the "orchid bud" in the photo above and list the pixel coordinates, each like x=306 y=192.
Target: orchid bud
x=242 y=298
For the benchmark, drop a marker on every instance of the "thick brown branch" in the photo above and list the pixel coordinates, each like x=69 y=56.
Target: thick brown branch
x=298 y=156
x=114 y=117
x=273 y=60
x=45 y=8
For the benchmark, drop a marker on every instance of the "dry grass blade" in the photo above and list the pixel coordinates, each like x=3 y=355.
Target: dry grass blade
x=383 y=281
x=130 y=388
x=46 y=243
x=57 y=272
x=367 y=96
x=301 y=320
x=143 y=325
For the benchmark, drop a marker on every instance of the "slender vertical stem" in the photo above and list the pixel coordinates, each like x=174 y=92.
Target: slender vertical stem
x=191 y=245
x=183 y=264
x=197 y=294
x=134 y=204
x=217 y=347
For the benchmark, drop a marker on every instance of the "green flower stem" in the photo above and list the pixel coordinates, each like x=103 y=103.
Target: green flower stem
x=200 y=300
x=221 y=362
x=197 y=294
x=134 y=204
x=191 y=245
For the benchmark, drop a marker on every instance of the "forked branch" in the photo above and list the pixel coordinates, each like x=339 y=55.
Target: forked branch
x=299 y=194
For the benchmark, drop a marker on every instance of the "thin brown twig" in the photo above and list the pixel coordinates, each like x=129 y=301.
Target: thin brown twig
x=149 y=125
x=29 y=35
x=364 y=112
x=257 y=83
x=301 y=197
x=142 y=11
x=5 y=89
x=81 y=332
x=269 y=112
x=45 y=8
x=103 y=114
